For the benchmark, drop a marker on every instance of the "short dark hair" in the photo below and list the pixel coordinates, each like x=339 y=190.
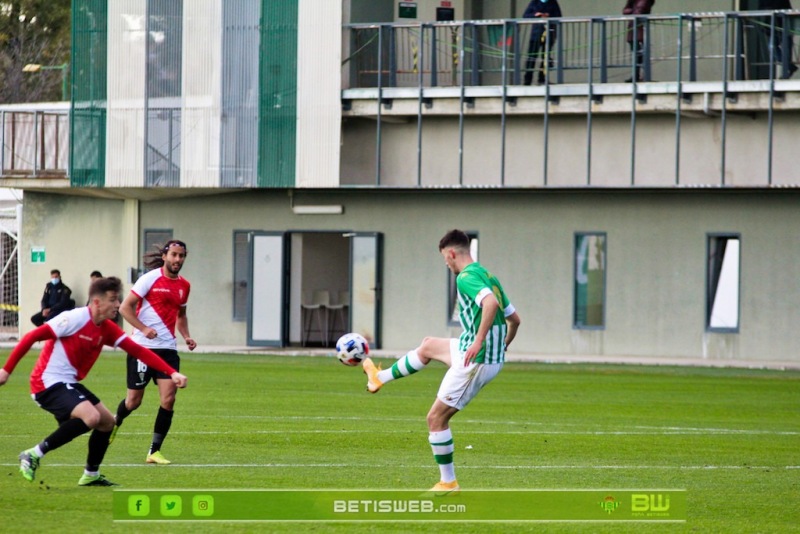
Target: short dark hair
x=454 y=238
x=55 y=271
x=101 y=286
x=96 y=274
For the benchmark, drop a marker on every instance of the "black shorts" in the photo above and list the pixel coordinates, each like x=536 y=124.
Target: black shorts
x=139 y=374
x=60 y=399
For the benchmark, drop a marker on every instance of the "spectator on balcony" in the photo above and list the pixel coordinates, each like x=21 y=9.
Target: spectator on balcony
x=542 y=42
x=777 y=36
x=57 y=298
x=637 y=7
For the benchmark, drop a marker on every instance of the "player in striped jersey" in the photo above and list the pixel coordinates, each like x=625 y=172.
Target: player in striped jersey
x=156 y=308
x=489 y=323
x=73 y=342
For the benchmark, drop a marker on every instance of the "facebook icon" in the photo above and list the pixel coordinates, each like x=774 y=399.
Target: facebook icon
x=138 y=505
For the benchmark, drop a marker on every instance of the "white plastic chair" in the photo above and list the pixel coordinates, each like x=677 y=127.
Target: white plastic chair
x=339 y=313
x=317 y=305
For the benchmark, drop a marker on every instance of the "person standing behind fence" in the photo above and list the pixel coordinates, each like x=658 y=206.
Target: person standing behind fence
x=541 y=43
x=777 y=36
x=637 y=7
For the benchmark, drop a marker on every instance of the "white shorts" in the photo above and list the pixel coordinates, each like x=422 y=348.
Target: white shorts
x=460 y=384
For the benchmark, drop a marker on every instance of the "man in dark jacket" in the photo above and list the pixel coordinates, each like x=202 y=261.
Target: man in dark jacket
x=56 y=299
x=637 y=7
x=541 y=43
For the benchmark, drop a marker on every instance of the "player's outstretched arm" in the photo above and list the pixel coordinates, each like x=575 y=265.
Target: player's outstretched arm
x=147 y=356
x=179 y=379
x=41 y=333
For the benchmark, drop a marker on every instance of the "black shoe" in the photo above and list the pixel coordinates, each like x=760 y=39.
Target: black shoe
x=541 y=80
x=99 y=480
x=791 y=70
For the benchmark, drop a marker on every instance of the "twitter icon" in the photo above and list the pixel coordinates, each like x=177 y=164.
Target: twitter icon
x=171 y=505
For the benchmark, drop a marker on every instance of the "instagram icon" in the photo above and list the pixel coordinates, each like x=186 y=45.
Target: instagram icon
x=203 y=505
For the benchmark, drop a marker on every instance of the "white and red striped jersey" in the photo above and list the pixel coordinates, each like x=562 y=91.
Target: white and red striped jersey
x=78 y=344
x=161 y=299
x=72 y=344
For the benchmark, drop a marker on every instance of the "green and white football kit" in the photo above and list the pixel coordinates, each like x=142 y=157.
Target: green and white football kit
x=461 y=383
x=473 y=284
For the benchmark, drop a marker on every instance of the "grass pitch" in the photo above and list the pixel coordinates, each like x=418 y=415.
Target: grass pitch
x=730 y=437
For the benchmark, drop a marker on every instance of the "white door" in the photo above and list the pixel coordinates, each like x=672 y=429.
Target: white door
x=366 y=294
x=266 y=318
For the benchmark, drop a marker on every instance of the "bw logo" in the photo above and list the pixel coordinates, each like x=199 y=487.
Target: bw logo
x=653 y=502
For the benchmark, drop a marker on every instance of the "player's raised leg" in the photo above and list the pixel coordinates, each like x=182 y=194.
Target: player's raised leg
x=432 y=348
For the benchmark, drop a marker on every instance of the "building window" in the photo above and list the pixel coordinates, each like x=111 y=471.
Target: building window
x=164 y=52
x=590 y=281
x=722 y=283
x=241 y=273
x=452 y=290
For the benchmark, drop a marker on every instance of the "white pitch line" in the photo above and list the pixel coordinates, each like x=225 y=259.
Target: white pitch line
x=415 y=420
x=427 y=466
x=634 y=430
x=466 y=432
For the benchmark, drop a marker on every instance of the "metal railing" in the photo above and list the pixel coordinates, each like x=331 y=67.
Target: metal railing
x=693 y=46
x=34 y=143
x=708 y=63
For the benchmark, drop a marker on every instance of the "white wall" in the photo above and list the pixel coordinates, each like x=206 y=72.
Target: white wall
x=319 y=106
x=79 y=235
x=656 y=251
x=201 y=110
x=126 y=87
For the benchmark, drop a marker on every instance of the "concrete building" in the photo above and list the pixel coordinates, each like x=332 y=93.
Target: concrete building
x=299 y=146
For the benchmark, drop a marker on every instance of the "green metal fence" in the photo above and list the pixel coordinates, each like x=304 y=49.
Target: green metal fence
x=88 y=117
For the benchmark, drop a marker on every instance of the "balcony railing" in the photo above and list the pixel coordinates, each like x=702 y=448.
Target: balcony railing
x=35 y=144
x=699 y=65
x=731 y=46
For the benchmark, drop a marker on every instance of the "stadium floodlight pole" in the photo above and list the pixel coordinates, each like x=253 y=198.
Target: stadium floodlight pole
x=35 y=67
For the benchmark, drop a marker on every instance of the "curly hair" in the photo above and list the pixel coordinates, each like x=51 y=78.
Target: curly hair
x=154 y=259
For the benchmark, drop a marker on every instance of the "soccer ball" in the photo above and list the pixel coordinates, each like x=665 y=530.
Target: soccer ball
x=352 y=348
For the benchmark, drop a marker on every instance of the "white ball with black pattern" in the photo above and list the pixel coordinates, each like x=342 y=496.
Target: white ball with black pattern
x=352 y=348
